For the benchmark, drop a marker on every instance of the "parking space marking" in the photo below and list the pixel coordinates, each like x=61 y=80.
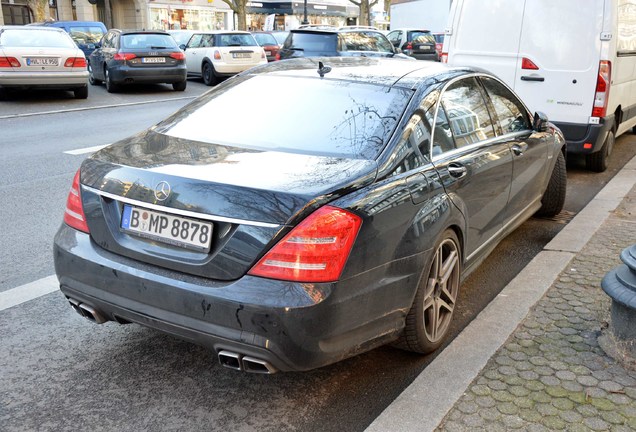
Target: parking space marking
x=86 y=150
x=30 y=291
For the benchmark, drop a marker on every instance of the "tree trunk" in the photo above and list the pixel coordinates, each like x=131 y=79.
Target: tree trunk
x=40 y=9
x=364 y=13
x=241 y=20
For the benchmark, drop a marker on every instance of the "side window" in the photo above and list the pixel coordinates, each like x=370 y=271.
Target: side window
x=512 y=115
x=443 y=137
x=195 y=41
x=108 y=40
x=466 y=113
x=394 y=37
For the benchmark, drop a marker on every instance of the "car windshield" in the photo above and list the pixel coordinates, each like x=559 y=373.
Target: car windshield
x=147 y=41
x=280 y=36
x=35 y=38
x=86 y=35
x=235 y=39
x=420 y=37
x=312 y=42
x=315 y=116
x=265 y=39
x=366 y=41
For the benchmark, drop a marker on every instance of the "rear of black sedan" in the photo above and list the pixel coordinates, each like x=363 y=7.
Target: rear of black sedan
x=284 y=248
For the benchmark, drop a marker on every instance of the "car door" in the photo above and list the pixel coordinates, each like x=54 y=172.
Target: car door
x=529 y=148
x=195 y=53
x=395 y=37
x=475 y=166
x=97 y=56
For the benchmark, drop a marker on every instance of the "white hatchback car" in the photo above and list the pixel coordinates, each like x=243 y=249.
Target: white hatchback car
x=41 y=57
x=221 y=54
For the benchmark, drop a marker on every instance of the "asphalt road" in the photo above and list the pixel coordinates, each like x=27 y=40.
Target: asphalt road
x=60 y=372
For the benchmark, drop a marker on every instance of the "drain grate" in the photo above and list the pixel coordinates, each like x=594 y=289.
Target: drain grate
x=563 y=217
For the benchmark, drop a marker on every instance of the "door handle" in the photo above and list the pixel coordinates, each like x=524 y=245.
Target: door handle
x=532 y=78
x=518 y=149
x=456 y=170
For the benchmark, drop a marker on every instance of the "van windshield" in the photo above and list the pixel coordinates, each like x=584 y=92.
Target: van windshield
x=86 y=34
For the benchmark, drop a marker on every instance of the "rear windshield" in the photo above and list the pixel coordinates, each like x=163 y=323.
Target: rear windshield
x=366 y=41
x=312 y=42
x=35 y=38
x=420 y=37
x=230 y=40
x=86 y=35
x=308 y=116
x=265 y=39
x=147 y=41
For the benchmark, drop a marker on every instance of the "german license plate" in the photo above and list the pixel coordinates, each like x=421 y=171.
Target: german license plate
x=241 y=55
x=167 y=228
x=42 y=61
x=153 y=60
x=424 y=48
x=269 y=53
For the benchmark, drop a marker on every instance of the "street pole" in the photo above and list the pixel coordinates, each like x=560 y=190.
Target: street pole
x=305 y=21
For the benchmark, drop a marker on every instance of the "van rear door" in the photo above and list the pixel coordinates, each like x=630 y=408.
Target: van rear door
x=486 y=35
x=562 y=38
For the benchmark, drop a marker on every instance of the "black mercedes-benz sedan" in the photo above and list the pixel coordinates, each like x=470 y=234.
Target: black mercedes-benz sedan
x=349 y=224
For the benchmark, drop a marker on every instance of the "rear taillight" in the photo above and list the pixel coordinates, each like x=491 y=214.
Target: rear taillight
x=75 y=62
x=444 y=57
x=74 y=213
x=178 y=56
x=526 y=63
x=217 y=55
x=124 y=56
x=409 y=46
x=277 y=56
x=315 y=251
x=9 y=62
x=601 y=96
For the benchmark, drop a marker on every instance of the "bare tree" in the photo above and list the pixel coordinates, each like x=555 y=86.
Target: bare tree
x=365 y=10
x=238 y=6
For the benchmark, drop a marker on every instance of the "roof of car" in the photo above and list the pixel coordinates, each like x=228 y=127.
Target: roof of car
x=32 y=27
x=381 y=71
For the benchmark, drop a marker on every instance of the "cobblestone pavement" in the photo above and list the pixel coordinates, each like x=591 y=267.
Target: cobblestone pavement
x=552 y=374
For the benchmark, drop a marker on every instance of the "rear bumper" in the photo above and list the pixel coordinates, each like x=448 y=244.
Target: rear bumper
x=578 y=134
x=44 y=79
x=427 y=56
x=227 y=69
x=292 y=326
x=130 y=75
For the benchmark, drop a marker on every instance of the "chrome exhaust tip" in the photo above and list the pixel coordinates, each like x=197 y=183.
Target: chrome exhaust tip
x=230 y=360
x=91 y=314
x=254 y=365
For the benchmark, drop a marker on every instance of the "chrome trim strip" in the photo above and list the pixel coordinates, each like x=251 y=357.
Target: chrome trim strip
x=187 y=213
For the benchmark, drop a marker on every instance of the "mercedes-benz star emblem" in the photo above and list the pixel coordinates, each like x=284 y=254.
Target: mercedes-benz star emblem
x=162 y=191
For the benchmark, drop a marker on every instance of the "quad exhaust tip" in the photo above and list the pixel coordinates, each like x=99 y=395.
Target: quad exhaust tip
x=87 y=311
x=244 y=363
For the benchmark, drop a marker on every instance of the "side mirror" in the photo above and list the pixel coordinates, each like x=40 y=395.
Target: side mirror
x=182 y=46
x=540 y=123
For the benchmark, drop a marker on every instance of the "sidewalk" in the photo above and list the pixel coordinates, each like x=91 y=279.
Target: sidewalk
x=531 y=360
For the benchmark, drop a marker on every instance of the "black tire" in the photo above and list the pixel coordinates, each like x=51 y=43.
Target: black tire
x=180 y=86
x=554 y=195
x=110 y=86
x=81 y=93
x=427 y=324
x=597 y=162
x=208 y=74
x=91 y=78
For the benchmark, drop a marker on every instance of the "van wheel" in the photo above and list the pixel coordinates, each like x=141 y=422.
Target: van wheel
x=554 y=196
x=209 y=77
x=81 y=93
x=429 y=319
x=597 y=161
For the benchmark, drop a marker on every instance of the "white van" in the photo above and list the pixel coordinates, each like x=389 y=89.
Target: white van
x=575 y=60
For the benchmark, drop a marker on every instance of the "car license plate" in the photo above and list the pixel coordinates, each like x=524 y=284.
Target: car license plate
x=166 y=228
x=153 y=60
x=268 y=53
x=241 y=55
x=424 y=47
x=42 y=61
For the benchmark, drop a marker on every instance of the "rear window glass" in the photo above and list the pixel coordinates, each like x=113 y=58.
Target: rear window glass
x=35 y=38
x=147 y=41
x=313 y=42
x=366 y=41
x=86 y=35
x=229 y=40
x=265 y=39
x=308 y=116
x=420 y=37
